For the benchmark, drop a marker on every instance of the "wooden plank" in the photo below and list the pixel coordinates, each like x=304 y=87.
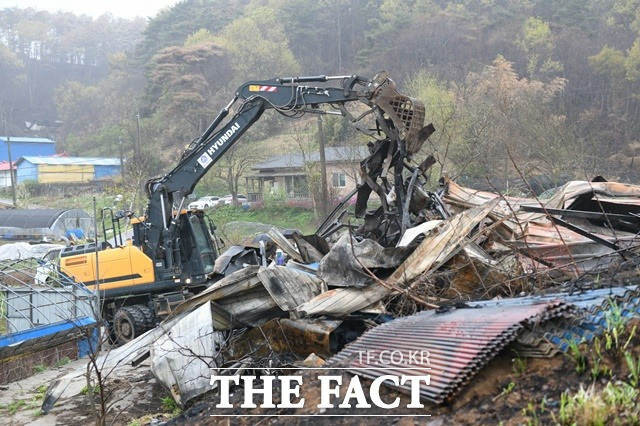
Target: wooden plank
x=285 y=245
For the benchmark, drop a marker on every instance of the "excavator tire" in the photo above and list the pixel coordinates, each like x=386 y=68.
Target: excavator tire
x=130 y=322
x=148 y=315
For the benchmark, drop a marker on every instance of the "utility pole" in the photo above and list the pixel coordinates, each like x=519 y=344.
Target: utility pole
x=95 y=231
x=138 y=151
x=121 y=158
x=12 y=177
x=323 y=170
x=138 y=160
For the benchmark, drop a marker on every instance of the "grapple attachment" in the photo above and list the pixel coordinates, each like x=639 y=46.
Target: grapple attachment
x=406 y=113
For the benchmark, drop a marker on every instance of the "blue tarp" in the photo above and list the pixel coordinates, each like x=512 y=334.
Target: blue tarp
x=46 y=332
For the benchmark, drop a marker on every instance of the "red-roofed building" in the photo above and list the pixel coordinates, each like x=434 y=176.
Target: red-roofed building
x=5 y=176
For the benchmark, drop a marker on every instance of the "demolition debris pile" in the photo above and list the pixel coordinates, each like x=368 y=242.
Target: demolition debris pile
x=406 y=252
x=328 y=294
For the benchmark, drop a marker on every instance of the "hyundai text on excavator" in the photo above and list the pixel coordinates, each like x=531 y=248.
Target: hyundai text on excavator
x=173 y=251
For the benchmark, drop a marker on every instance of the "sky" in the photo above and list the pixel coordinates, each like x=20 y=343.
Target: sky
x=95 y=8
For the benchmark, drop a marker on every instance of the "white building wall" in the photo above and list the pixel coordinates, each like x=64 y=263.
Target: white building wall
x=5 y=179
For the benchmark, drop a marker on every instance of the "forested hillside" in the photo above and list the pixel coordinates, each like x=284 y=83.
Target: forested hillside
x=549 y=86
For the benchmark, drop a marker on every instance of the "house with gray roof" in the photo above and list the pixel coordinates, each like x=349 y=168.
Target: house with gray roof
x=289 y=172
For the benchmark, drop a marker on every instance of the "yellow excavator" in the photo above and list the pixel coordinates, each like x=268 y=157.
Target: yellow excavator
x=173 y=251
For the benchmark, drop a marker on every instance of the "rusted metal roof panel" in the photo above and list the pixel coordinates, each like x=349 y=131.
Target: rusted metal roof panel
x=431 y=253
x=622 y=193
x=459 y=343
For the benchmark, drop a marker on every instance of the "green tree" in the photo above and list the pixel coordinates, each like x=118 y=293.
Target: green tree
x=444 y=113
x=258 y=47
x=536 y=41
x=79 y=107
x=609 y=62
x=12 y=87
x=632 y=62
x=172 y=26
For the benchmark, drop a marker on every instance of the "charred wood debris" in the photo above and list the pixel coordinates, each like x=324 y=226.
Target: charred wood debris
x=401 y=250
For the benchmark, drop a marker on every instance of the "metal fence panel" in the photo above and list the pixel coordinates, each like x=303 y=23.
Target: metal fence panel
x=29 y=307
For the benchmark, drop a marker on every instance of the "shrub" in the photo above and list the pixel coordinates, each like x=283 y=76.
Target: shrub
x=275 y=199
x=300 y=203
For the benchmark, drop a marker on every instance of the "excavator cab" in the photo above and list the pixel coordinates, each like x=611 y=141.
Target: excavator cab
x=195 y=246
x=198 y=248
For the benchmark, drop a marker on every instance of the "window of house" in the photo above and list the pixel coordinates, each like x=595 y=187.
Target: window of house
x=339 y=180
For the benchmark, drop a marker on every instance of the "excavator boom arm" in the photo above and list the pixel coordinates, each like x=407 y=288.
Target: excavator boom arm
x=290 y=96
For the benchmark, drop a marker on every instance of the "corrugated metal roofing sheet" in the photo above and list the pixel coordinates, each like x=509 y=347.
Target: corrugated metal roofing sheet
x=85 y=161
x=26 y=140
x=459 y=343
x=588 y=322
x=586 y=299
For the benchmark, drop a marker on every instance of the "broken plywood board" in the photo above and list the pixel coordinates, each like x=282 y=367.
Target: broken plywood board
x=434 y=250
x=290 y=288
x=286 y=246
x=299 y=337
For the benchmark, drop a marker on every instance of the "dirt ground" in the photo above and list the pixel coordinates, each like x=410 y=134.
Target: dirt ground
x=136 y=394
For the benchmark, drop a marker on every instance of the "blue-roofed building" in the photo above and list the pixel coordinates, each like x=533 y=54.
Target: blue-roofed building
x=21 y=147
x=65 y=169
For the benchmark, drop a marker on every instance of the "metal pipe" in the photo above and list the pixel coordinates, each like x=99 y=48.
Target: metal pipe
x=179 y=208
x=164 y=213
x=97 y=292
x=216 y=121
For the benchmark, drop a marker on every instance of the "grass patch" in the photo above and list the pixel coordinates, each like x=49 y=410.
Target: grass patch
x=16 y=405
x=170 y=405
x=284 y=217
x=39 y=368
x=236 y=225
x=40 y=392
x=63 y=361
x=94 y=390
x=84 y=202
x=615 y=401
